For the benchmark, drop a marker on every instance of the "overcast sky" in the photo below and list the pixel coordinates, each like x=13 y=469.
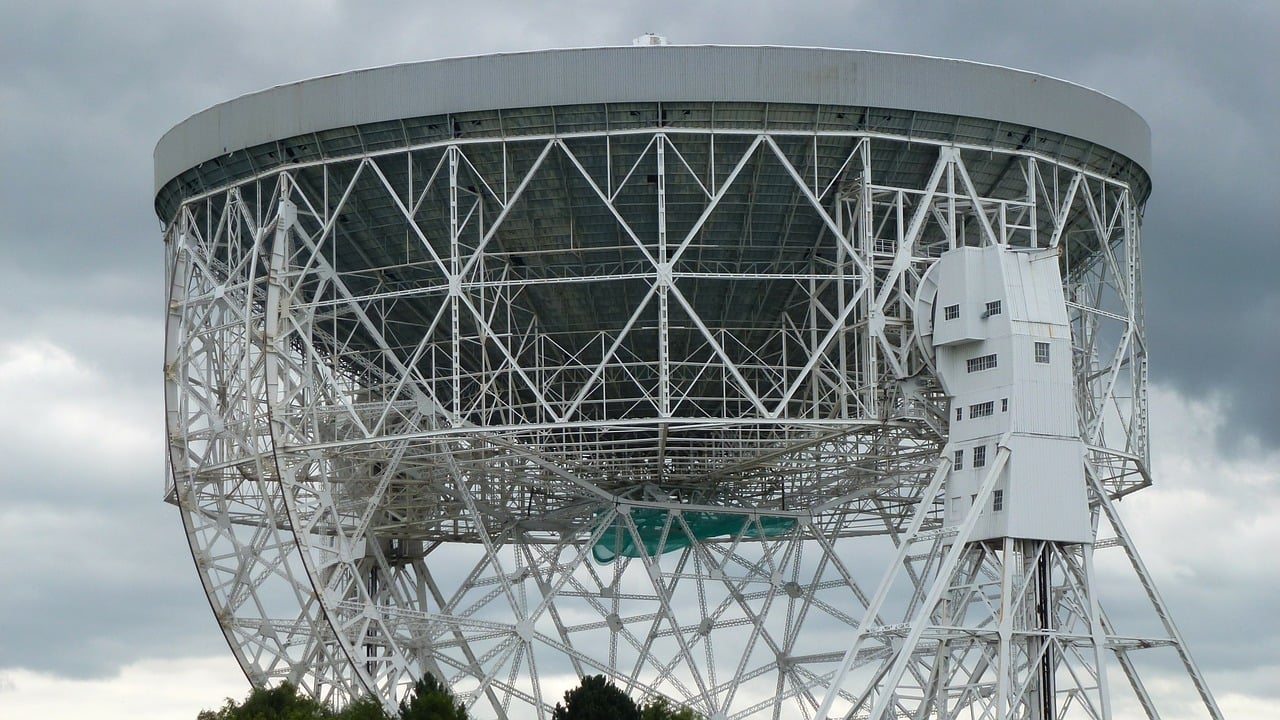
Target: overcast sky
x=101 y=613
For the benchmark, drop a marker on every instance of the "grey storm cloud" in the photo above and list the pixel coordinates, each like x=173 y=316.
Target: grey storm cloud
x=96 y=570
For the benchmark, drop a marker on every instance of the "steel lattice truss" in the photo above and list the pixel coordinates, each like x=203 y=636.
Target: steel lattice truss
x=411 y=392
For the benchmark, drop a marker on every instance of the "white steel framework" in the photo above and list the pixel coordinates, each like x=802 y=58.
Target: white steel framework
x=646 y=401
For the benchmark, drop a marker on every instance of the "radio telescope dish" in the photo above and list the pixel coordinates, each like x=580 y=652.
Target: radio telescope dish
x=524 y=367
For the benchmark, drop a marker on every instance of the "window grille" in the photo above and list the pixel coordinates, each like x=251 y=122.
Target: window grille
x=951 y=312
x=959 y=414
x=1042 y=352
x=958 y=463
x=982 y=409
x=1004 y=404
x=980 y=456
x=993 y=308
x=997 y=500
x=985 y=362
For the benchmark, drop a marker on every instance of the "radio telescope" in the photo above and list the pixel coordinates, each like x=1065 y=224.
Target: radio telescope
x=778 y=382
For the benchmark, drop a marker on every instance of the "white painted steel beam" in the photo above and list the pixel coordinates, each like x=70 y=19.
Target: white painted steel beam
x=415 y=393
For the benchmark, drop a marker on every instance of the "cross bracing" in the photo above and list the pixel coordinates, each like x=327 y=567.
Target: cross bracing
x=413 y=383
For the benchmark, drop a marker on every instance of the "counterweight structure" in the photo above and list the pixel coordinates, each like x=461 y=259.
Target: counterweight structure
x=779 y=382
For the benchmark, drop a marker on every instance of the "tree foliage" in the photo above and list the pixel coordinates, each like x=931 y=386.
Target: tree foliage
x=660 y=709
x=282 y=702
x=430 y=699
x=366 y=708
x=596 y=699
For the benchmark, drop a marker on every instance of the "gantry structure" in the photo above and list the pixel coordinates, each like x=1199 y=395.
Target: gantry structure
x=518 y=368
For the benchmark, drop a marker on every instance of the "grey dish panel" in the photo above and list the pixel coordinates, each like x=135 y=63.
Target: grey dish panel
x=663 y=73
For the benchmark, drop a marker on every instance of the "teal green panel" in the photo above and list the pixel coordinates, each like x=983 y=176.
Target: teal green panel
x=616 y=541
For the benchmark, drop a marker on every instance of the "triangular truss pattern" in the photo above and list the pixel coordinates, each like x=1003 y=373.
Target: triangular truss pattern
x=415 y=395
x=1008 y=628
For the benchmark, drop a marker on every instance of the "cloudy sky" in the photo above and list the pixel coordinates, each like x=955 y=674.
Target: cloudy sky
x=101 y=614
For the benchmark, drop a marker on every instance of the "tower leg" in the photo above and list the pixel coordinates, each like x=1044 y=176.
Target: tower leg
x=1157 y=602
x=1007 y=628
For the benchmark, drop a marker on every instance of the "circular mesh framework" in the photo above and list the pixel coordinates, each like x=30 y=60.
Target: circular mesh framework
x=515 y=391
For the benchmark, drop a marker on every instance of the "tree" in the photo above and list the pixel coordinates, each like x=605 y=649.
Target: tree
x=282 y=702
x=596 y=699
x=430 y=699
x=366 y=708
x=660 y=709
